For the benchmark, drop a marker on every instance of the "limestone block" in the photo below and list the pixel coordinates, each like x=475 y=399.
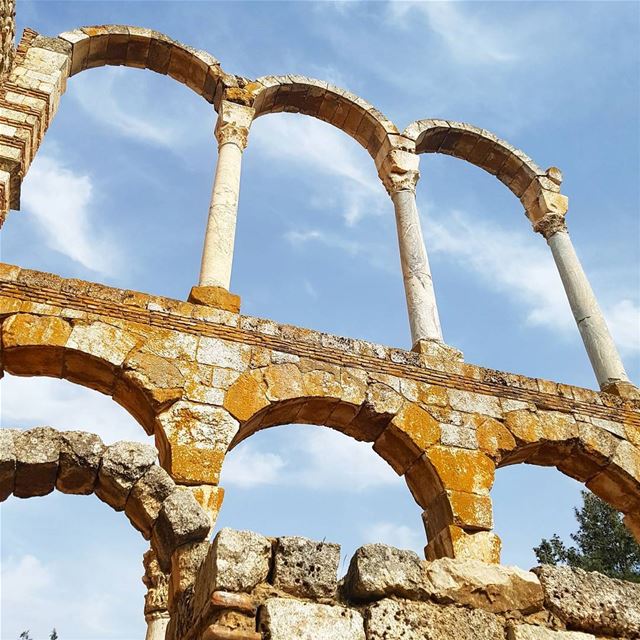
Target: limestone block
x=247 y=396
x=7 y=462
x=145 y=500
x=474 y=403
x=590 y=601
x=181 y=520
x=491 y=587
x=80 y=458
x=221 y=353
x=531 y=632
x=185 y=563
x=282 y=619
x=123 y=464
x=455 y=542
x=462 y=470
x=306 y=568
x=380 y=571
x=395 y=619
x=37 y=454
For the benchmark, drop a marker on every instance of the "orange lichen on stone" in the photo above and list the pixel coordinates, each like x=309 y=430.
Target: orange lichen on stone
x=247 y=396
x=493 y=437
x=462 y=470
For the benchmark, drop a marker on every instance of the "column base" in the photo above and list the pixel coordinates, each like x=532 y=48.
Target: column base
x=623 y=389
x=217 y=297
x=437 y=349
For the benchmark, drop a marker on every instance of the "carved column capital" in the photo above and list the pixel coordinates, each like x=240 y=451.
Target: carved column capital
x=550 y=224
x=232 y=133
x=399 y=171
x=234 y=122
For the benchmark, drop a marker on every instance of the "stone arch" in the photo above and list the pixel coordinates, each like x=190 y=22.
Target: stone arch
x=344 y=110
x=124 y=475
x=452 y=486
x=599 y=453
x=524 y=178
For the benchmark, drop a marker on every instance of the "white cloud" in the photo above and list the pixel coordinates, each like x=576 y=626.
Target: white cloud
x=311 y=457
x=470 y=39
x=399 y=536
x=311 y=144
x=30 y=402
x=58 y=201
x=511 y=263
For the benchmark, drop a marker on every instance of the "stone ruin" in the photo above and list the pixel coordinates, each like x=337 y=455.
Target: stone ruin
x=201 y=377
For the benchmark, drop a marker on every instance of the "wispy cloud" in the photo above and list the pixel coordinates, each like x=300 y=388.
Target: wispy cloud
x=395 y=535
x=312 y=145
x=65 y=406
x=514 y=265
x=59 y=202
x=312 y=457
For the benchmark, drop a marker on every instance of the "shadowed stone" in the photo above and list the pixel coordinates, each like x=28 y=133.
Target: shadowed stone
x=80 y=457
x=479 y=585
x=181 y=520
x=37 y=454
x=531 y=632
x=7 y=462
x=123 y=464
x=379 y=571
x=306 y=568
x=146 y=498
x=282 y=619
x=590 y=601
x=401 y=619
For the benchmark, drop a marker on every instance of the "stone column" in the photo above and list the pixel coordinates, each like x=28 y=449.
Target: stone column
x=157 y=625
x=597 y=339
x=232 y=130
x=156 y=604
x=399 y=173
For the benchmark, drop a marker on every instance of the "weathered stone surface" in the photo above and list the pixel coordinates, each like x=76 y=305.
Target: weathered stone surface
x=37 y=454
x=123 y=464
x=185 y=562
x=379 y=571
x=282 y=619
x=145 y=500
x=237 y=561
x=531 y=632
x=7 y=462
x=157 y=583
x=306 y=568
x=405 y=620
x=80 y=457
x=181 y=520
x=590 y=601
x=479 y=585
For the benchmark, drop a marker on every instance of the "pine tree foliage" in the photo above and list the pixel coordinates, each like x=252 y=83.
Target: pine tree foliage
x=602 y=543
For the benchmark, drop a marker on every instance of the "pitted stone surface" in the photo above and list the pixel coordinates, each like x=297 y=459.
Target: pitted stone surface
x=181 y=520
x=7 y=462
x=237 y=561
x=405 y=620
x=80 y=457
x=590 y=601
x=145 y=500
x=379 y=571
x=306 y=568
x=531 y=632
x=492 y=587
x=123 y=464
x=282 y=619
x=37 y=455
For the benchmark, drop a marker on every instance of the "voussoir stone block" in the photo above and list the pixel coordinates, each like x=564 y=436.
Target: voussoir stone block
x=590 y=601
x=80 y=458
x=284 y=619
x=123 y=464
x=379 y=571
x=402 y=619
x=491 y=587
x=306 y=568
x=37 y=455
x=532 y=632
x=181 y=520
x=7 y=462
x=145 y=500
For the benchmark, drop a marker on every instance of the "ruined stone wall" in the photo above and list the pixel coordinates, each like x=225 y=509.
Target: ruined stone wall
x=250 y=587
x=7 y=34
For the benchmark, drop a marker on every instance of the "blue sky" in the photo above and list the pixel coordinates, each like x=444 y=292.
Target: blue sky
x=119 y=194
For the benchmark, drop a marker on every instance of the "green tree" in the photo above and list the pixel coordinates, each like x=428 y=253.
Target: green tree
x=25 y=635
x=54 y=634
x=602 y=543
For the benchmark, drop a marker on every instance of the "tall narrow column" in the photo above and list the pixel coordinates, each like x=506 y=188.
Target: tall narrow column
x=232 y=130
x=399 y=173
x=597 y=339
